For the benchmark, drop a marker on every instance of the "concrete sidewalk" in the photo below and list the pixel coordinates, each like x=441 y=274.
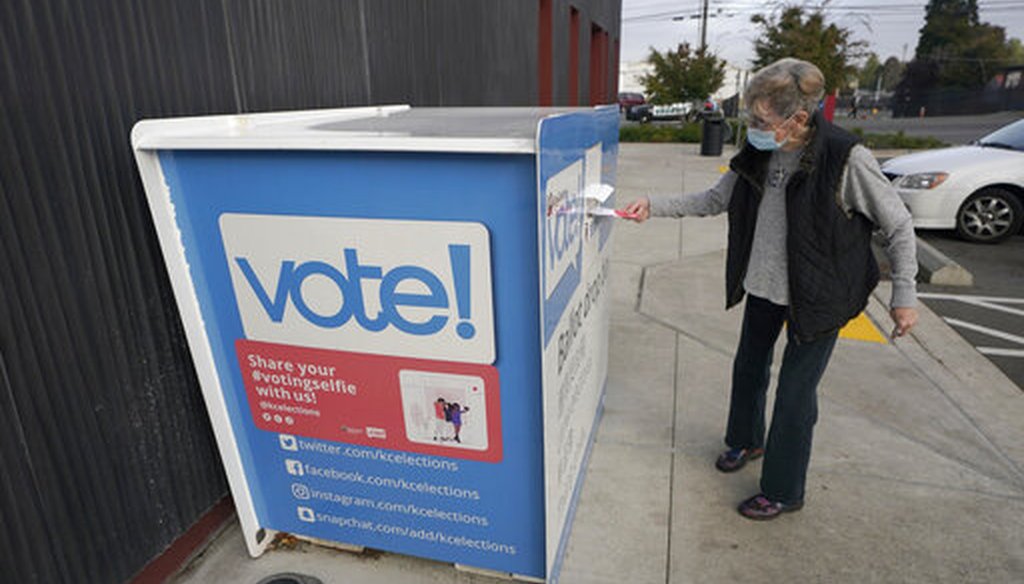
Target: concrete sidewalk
x=917 y=473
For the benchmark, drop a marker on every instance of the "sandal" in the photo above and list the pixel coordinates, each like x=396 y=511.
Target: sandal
x=735 y=458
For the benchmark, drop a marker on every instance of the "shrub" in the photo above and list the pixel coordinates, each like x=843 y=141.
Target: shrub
x=897 y=140
x=688 y=132
x=660 y=133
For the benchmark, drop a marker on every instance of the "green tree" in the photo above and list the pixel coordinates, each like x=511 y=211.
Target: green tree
x=867 y=75
x=683 y=75
x=876 y=74
x=1015 y=52
x=795 y=31
x=961 y=51
x=892 y=72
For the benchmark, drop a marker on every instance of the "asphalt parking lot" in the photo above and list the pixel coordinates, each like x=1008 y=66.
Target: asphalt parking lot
x=953 y=130
x=990 y=314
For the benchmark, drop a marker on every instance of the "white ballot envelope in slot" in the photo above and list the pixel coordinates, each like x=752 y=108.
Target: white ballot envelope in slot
x=444 y=409
x=597 y=193
x=595 y=196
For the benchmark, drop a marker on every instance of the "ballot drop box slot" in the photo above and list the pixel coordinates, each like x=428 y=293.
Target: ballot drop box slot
x=398 y=317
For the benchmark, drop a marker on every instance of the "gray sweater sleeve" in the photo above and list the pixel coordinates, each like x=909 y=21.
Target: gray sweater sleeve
x=868 y=192
x=710 y=202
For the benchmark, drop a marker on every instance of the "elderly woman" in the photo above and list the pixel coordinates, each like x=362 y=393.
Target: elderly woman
x=803 y=199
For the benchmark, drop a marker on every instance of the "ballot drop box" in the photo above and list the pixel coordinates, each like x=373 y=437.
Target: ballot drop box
x=398 y=317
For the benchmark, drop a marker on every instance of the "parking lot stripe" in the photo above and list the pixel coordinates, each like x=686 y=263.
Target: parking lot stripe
x=940 y=296
x=999 y=352
x=989 y=302
x=985 y=330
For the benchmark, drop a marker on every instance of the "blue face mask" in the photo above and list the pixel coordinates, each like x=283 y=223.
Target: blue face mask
x=764 y=139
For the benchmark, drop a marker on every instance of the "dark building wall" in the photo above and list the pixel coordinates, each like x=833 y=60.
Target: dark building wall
x=426 y=53
x=105 y=447
x=106 y=452
x=287 y=55
x=453 y=52
x=604 y=13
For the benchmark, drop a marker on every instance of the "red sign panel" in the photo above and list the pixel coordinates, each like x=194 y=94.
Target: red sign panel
x=414 y=405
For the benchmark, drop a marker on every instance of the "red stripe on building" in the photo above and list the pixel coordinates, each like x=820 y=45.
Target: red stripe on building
x=545 y=68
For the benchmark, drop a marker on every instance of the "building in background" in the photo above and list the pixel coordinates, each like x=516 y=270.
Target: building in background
x=630 y=75
x=734 y=83
x=107 y=455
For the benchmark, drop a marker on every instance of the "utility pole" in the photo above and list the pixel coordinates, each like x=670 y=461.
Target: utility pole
x=704 y=27
x=703 y=16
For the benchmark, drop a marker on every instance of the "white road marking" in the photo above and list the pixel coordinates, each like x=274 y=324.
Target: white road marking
x=995 y=303
x=985 y=330
x=939 y=296
x=998 y=352
x=980 y=301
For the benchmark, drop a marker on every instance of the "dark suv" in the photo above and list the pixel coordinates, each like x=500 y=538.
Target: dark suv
x=628 y=100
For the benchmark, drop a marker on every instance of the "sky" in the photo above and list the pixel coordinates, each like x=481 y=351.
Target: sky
x=890 y=27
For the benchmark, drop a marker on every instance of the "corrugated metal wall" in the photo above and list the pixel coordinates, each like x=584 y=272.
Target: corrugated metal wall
x=106 y=455
x=105 y=452
x=439 y=52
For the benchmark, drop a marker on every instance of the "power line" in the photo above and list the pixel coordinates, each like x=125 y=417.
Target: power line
x=971 y=59
x=991 y=7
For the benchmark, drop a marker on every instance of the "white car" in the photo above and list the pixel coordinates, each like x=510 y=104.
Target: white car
x=977 y=189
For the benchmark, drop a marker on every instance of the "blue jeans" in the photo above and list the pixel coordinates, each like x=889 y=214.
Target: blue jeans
x=788 y=450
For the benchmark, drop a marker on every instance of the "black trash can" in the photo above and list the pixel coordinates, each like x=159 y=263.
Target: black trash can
x=712 y=135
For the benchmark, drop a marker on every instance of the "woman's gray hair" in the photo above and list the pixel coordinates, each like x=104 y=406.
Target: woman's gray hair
x=787 y=86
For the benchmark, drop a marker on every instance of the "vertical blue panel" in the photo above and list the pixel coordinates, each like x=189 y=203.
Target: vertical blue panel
x=575 y=312
x=564 y=141
x=506 y=532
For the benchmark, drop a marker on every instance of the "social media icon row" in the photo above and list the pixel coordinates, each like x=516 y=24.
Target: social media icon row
x=278 y=418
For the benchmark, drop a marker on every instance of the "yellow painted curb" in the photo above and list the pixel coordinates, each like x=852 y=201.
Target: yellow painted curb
x=862 y=329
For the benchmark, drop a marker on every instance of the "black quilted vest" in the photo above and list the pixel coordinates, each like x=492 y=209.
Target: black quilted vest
x=832 y=270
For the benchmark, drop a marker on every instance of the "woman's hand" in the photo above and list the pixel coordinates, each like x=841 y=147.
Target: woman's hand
x=639 y=210
x=904 y=319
